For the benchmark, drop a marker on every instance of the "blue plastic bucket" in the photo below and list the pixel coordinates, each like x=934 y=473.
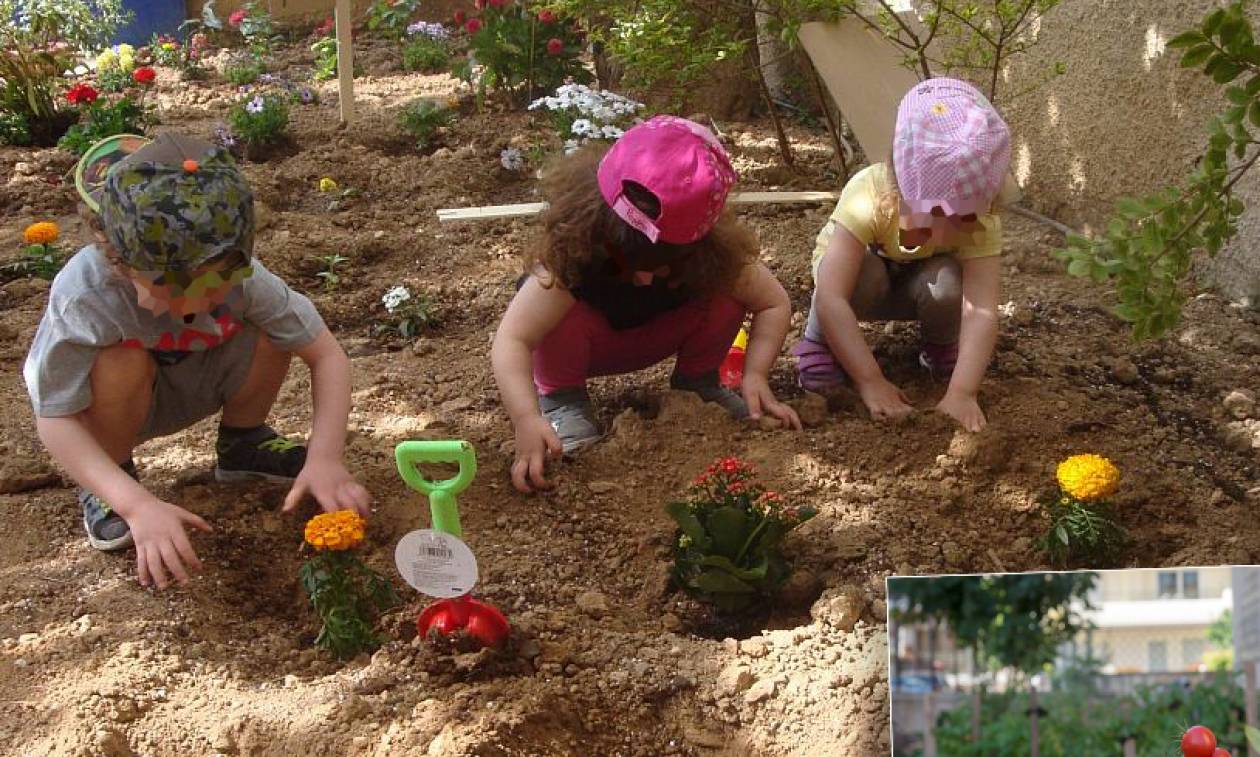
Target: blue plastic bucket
x=151 y=17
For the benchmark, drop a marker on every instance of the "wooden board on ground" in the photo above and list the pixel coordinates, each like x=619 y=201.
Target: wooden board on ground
x=526 y=209
x=866 y=77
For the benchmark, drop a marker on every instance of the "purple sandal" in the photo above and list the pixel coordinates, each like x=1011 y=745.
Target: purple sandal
x=816 y=368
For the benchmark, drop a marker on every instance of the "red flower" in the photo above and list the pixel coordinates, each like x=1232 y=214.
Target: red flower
x=473 y=26
x=326 y=28
x=237 y=17
x=479 y=4
x=82 y=94
x=144 y=75
x=498 y=3
x=460 y=17
x=554 y=46
x=546 y=16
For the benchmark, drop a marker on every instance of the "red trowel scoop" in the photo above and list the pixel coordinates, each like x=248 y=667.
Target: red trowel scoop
x=436 y=562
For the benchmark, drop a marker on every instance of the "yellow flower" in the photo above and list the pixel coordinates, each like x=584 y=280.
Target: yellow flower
x=168 y=45
x=335 y=531
x=327 y=185
x=106 y=60
x=1088 y=477
x=44 y=232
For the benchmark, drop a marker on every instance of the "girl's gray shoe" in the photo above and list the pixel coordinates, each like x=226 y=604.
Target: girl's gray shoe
x=570 y=413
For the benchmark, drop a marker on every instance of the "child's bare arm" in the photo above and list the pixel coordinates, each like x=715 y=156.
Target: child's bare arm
x=157 y=526
x=325 y=476
x=762 y=294
x=533 y=313
x=981 y=291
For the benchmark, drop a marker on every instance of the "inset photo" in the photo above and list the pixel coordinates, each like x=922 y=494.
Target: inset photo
x=1139 y=662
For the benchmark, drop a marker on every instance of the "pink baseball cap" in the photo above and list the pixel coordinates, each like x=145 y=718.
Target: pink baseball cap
x=682 y=164
x=951 y=149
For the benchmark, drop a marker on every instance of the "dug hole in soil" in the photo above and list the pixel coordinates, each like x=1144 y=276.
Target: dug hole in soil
x=605 y=658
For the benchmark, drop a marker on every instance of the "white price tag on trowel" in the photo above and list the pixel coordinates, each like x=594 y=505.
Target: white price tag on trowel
x=436 y=563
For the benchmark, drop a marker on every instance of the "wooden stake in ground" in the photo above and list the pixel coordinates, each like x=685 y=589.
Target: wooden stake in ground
x=929 y=724
x=975 y=714
x=526 y=209
x=1130 y=747
x=1034 y=713
x=345 y=61
x=1253 y=717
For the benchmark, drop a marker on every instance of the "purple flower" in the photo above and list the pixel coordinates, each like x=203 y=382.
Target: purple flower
x=223 y=136
x=306 y=95
x=256 y=105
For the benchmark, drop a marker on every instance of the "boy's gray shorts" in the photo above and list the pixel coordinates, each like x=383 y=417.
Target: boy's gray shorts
x=199 y=385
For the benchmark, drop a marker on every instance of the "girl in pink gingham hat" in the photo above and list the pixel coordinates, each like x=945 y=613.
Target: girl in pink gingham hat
x=915 y=238
x=639 y=261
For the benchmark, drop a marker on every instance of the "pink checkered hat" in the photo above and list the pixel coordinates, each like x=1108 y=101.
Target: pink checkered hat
x=951 y=148
x=682 y=164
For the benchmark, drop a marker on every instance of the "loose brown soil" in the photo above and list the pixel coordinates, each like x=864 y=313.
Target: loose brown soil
x=605 y=659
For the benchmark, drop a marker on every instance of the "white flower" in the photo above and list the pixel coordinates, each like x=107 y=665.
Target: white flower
x=571 y=146
x=256 y=105
x=583 y=127
x=395 y=298
x=512 y=159
x=611 y=132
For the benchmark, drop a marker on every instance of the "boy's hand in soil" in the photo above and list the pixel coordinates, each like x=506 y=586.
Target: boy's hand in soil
x=536 y=441
x=163 y=552
x=331 y=485
x=963 y=408
x=761 y=400
x=884 y=400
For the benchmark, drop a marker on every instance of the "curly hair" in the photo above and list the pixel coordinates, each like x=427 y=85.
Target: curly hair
x=578 y=223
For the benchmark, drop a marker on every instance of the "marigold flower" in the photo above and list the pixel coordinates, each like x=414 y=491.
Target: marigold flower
x=337 y=531
x=44 y=232
x=1088 y=477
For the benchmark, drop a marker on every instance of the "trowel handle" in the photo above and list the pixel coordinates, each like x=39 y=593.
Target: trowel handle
x=441 y=494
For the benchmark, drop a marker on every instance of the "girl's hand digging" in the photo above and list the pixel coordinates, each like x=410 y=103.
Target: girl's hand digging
x=884 y=400
x=536 y=441
x=163 y=552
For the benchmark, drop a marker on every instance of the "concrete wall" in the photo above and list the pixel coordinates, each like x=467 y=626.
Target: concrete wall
x=1137 y=585
x=1127 y=650
x=1123 y=120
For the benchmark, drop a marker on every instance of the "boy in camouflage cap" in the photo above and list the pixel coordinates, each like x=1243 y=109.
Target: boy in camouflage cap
x=166 y=320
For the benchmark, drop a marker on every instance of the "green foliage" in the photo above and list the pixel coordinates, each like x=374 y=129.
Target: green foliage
x=1148 y=247
x=409 y=312
x=325 y=58
x=348 y=596
x=1221 y=633
x=260 y=119
x=728 y=548
x=329 y=274
x=514 y=53
x=1154 y=716
x=1081 y=532
x=391 y=17
x=165 y=51
x=1012 y=620
x=114 y=79
x=257 y=28
x=426 y=55
x=40 y=40
x=39 y=261
x=422 y=118
x=14 y=129
x=243 y=70
x=105 y=118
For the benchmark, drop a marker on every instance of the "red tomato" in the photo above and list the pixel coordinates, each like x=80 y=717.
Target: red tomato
x=1220 y=753
x=1198 y=742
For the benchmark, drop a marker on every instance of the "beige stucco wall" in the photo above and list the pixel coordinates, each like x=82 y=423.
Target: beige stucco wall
x=1124 y=119
x=1135 y=585
x=1128 y=650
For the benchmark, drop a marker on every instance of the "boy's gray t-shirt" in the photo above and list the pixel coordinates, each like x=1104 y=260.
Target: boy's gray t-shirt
x=91 y=307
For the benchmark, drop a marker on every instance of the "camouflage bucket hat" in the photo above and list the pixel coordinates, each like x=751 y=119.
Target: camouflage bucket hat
x=177 y=204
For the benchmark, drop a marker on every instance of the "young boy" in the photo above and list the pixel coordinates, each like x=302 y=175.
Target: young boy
x=169 y=319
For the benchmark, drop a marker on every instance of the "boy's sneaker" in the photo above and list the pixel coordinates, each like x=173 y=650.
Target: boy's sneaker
x=570 y=413
x=257 y=454
x=816 y=368
x=106 y=530
x=939 y=360
x=710 y=389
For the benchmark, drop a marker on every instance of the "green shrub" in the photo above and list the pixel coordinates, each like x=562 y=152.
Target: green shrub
x=105 y=118
x=259 y=120
x=422 y=119
x=325 y=58
x=244 y=70
x=426 y=55
x=521 y=54
x=391 y=17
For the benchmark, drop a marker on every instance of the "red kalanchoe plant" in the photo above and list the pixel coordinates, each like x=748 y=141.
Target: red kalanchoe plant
x=460 y=17
x=727 y=550
x=326 y=28
x=237 y=17
x=546 y=16
x=144 y=75
x=473 y=26
x=554 y=46
x=82 y=94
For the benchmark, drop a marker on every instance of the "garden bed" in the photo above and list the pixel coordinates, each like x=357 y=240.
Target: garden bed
x=606 y=659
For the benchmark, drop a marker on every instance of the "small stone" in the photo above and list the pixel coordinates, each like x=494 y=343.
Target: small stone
x=1023 y=316
x=592 y=603
x=986 y=450
x=1163 y=376
x=263 y=216
x=456 y=405
x=671 y=622
x=754 y=647
x=291 y=681
x=1247 y=343
x=800 y=588
x=840 y=610
x=812 y=408
x=733 y=680
x=1237 y=437
x=422 y=347
x=603 y=487
x=111 y=743
x=1124 y=371
x=761 y=690
x=1240 y=403
x=19 y=476
x=28 y=638
x=529 y=649
x=24 y=169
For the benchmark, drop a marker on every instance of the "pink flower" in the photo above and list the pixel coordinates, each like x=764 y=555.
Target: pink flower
x=237 y=17
x=554 y=46
x=460 y=17
x=144 y=75
x=497 y=3
x=473 y=26
x=479 y=4
x=546 y=16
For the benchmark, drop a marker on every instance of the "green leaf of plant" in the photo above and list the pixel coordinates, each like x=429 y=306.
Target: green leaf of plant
x=1253 y=113
x=1253 y=737
x=1226 y=72
x=1213 y=22
x=1062 y=533
x=716 y=581
x=1196 y=55
x=728 y=526
x=1079 y=268
x=689 y=524
x=1130 y=208
x=1187 y=39
x=755 y=573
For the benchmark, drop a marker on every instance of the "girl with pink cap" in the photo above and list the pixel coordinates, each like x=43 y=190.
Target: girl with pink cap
x=915 y=238
x=638 y=261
